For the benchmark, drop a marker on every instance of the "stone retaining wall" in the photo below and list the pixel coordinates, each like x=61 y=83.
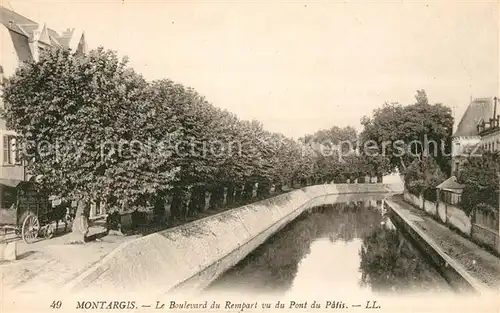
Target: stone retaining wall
x=486 y=236
x=454 y=274
x=456 y=218
x=446 y=213
x=189 y=257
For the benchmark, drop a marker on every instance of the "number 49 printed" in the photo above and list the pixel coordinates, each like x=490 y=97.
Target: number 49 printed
x=56 y=304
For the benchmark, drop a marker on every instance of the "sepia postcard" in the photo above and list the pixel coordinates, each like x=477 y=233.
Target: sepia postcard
x=249 y=156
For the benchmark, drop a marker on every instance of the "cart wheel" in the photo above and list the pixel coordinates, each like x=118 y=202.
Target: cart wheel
x=49 y=232
x=30 y=229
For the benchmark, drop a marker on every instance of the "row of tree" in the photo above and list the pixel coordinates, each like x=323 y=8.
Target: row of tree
x=95 y=130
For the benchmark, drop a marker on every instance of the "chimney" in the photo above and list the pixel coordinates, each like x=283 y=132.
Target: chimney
x=495 y=110
x=67 y=33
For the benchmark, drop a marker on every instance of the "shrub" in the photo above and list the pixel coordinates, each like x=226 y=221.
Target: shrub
x=422 y=177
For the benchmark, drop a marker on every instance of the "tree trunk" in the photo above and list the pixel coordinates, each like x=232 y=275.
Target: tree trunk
x=248 y=191
x=203 y=199
x=278 y=188
x=175 y=207
x=230 y=194
x=238 y=193
x=217 y=197
x=80 y=226
x=403 y=166
x=380 y=179
x=264 y=189
x=159 y=209
x=185 y=196
x=196 y=204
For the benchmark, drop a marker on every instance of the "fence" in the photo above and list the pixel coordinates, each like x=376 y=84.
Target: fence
x=482 y=226
x=485 y=228
x=444 y=212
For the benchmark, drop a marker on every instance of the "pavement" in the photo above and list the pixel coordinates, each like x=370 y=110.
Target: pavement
x=50 y=263
x=476 y=261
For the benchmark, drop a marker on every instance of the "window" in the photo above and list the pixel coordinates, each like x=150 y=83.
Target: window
x=101 y=208
x=10 y=150
x=2 y=80
x=97 y=208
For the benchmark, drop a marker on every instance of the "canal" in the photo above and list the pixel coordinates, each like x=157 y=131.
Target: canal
x=346 y=247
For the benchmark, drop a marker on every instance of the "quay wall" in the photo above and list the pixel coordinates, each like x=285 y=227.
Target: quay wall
x=455 y=274
x=189 y=257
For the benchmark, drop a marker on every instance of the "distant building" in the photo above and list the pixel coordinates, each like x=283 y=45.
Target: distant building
x=449 y=192
x=489 y=130
x=467 y=138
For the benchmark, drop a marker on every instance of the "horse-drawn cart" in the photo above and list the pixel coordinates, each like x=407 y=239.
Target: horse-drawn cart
x=25 y=210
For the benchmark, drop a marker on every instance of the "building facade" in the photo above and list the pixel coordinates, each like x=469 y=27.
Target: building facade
x=22 y=41
x=477 y=132
x=489 y=130
x=468 y=140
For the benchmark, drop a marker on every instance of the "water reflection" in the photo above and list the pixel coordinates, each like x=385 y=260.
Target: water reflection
x=350 y=246
x=389 y=262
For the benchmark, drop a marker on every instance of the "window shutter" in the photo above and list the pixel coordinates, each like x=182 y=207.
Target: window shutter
x=6 y=154
x=17 y=148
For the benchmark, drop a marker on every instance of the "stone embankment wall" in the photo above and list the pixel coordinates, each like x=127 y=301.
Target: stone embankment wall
x=486 y=236
x=189 y=257
x=455 y=274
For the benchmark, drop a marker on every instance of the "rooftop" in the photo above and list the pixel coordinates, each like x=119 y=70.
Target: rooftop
x=16 y=22
x=480 y=109
x=31 y=29
x=450 y=184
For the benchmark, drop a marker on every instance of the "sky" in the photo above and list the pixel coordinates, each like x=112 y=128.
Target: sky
x=298 y=66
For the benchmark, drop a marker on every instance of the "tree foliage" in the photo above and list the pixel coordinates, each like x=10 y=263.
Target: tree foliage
x=78 y=115
x=422 y=176
x=411 y=130
x=389 y=263
x=95 y=130
x=480 y=177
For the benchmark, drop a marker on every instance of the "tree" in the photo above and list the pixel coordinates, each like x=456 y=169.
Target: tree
x=480 y=177
x=402 y=132
x=335 y=136
x=97 y=131
x=422 y=177
x=79 y=116
x=376 y=165
x=389 y=263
